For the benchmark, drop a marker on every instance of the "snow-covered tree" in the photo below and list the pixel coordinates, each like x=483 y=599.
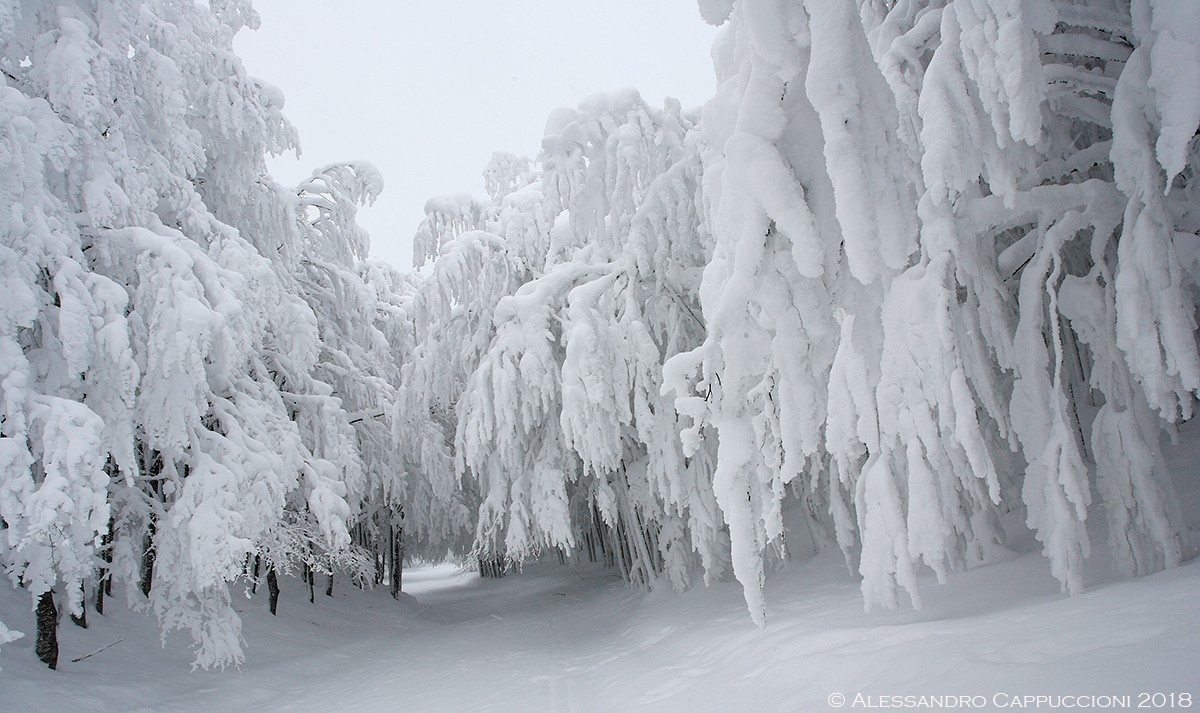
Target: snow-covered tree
x=543 y=338
x=157 y=315
x=937 y=226
x=917 y=265
x=340 y=396
x=452 y=312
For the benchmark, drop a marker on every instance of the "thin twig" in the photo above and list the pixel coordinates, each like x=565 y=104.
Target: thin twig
x=98 y=650
x=360 y=419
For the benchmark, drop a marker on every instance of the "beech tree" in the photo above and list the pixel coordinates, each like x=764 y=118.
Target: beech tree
x=943 y=279
x=915 y=267
x=937 y=206
x=167 y=379
x=544 y=323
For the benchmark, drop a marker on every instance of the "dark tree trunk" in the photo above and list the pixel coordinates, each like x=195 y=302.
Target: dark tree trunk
x=329 y=587
x=104 y=581
x=148 y=560
x=492 y=567
x=47 y=631
x=254 y=582
x=81 y=620
x=397 y=560
x=152 y=467
x=309 y=576
x=590 y=541
x=379 y=562
x=273 y=588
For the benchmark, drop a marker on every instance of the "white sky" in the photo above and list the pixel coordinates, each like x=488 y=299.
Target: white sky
x=428 y=90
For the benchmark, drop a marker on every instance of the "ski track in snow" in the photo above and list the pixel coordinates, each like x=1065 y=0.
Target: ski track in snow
x=576 y=639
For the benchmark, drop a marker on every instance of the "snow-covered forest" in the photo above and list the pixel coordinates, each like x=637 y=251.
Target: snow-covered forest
x=920 y=274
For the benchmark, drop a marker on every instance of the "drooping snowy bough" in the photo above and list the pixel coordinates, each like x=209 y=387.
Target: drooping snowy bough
x=954 y=275
x=543 y=327
x=948 y=274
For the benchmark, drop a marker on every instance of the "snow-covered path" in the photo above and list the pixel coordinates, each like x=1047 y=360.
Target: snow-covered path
x=462 y=644
x=557 y=639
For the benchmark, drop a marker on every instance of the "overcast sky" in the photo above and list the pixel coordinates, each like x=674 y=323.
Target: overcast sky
x=428 y=90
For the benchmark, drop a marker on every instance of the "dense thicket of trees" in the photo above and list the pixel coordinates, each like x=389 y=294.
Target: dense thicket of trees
x=198 y=365
x=570 y=287
x=916 y=266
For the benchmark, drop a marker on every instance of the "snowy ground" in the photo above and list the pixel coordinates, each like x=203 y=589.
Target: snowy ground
x=561 y=639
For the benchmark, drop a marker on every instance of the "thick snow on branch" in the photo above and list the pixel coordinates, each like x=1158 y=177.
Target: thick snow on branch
x=916 y=266
x=966 y=164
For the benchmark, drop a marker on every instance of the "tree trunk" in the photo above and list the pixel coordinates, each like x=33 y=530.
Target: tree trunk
x=152 y=467
x=309 y=577
x=81 y=620
x=601 y=532
x=148 y=560
x=329 y=587
x=103 y=582
x=491 y=567
x=47 y=631
x=254 y=582
x=397 y=552
x=273 y=589
x=590 y=540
